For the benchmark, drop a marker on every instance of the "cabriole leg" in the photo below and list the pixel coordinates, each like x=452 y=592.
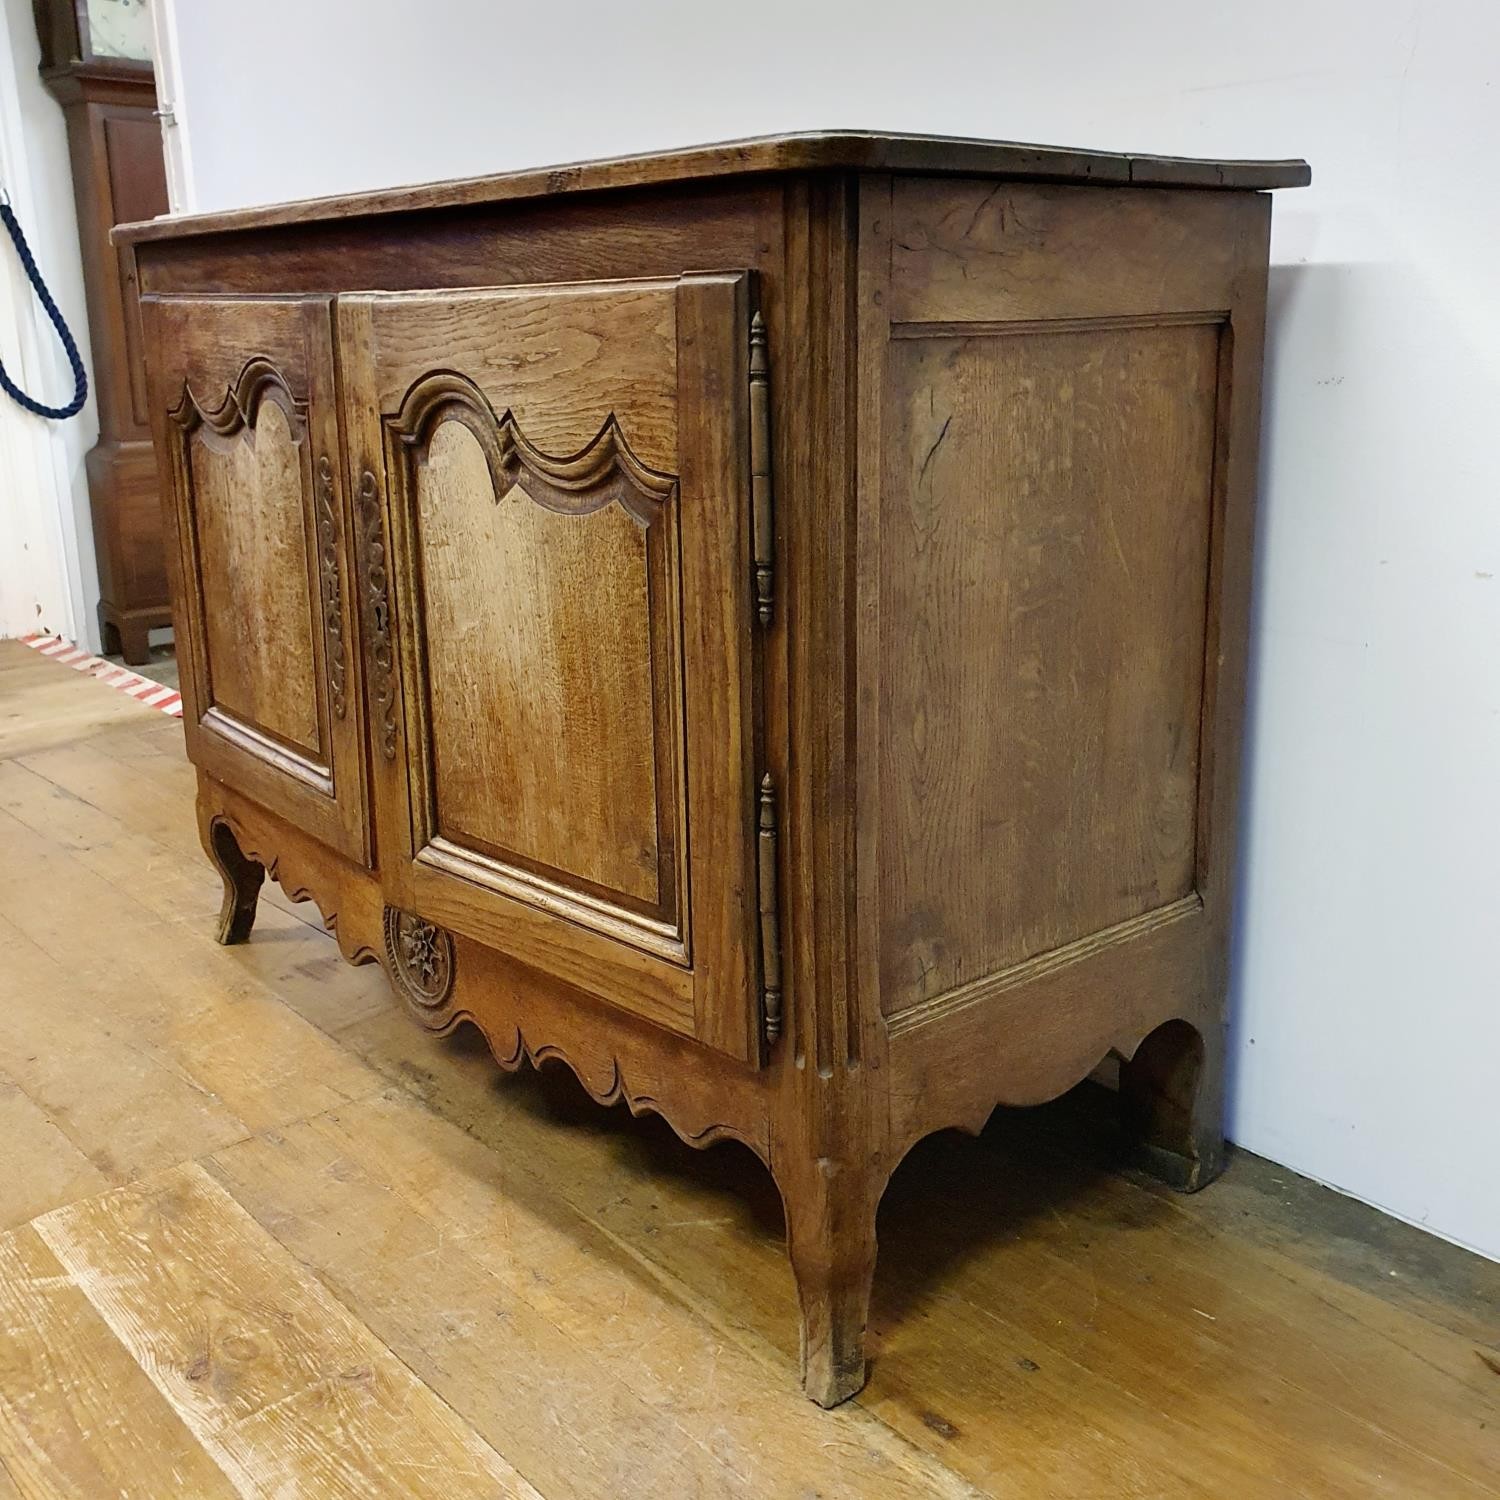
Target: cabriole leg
x=830 y=1227
x=242 y=879
x=1172 y=1097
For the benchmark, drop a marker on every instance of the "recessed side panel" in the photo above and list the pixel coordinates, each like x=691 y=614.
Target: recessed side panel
x=1045 y=519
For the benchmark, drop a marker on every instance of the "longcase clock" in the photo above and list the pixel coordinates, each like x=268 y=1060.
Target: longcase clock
x=96 y=60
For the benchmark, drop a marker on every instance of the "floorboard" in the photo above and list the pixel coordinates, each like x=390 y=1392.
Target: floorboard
x=79 y=1416
x=260 y=1236
x=280 y=1385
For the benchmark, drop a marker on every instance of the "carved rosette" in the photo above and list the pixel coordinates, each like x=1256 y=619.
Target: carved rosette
x=328 y=575
x=419 y=956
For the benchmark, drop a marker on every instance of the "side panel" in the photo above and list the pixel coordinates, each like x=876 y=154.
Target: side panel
x=1044 y=571
x=1056 y=480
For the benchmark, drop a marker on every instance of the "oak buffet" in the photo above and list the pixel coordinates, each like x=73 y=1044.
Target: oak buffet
x=764 y=624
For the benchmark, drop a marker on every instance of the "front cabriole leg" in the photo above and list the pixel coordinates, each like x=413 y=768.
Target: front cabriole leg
x=242 y=878
x=830 y=1230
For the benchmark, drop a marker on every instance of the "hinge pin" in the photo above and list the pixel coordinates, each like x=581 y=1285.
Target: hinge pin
x=763 y=523
x=770 y=926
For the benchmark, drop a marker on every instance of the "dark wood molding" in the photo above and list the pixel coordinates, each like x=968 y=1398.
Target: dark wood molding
x=111 y=81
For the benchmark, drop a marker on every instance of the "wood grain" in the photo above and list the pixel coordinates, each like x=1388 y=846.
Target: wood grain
x=251 y=505
x=979 y=250
x=645 y=1415
x=46 y=1169
x=560 y=359
x=264 y=594
x=607 y=1308
x=78 y=1415
x=972 y=1362
x=124 y=1108
x=274 y=1379
x=998 y=285
x=580 y=578
x=576 y=644
x=993 y=709
x=1044 y=544
x=170 y=1014
x=528 y=615
x=41 y=707
x=563 y=569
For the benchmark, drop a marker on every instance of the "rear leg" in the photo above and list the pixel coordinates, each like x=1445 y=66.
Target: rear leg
x=1172 y=1102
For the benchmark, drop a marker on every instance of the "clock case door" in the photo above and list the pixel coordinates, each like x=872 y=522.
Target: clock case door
x=551 y=488
x=245 y=415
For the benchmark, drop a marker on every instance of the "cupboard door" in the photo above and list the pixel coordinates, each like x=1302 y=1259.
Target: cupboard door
x=246 y=423
x=558 y=475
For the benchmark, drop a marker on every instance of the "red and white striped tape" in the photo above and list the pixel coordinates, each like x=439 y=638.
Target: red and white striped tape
x=168 y=700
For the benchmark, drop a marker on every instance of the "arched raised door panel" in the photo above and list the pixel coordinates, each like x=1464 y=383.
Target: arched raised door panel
x=245 y=412
x=552 y=494
x=552 y=757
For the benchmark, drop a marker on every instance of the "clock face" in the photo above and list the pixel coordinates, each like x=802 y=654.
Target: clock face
x=120 y=28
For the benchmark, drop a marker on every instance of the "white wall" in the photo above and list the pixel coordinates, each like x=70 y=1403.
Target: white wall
x=47 y=577
x=1367 y=977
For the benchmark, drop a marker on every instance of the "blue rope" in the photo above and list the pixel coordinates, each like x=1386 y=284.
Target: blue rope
x=70 y=348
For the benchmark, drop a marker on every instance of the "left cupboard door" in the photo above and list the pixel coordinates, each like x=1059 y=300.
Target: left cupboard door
x=245 y=416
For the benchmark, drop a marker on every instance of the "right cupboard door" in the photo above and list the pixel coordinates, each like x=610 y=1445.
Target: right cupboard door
x=551 y=496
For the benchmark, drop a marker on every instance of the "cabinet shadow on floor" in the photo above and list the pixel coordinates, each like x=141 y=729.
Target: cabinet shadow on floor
x=714 y=1216
x=961 y=1225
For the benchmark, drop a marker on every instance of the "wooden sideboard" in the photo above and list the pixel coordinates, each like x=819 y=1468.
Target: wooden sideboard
x=763 y=624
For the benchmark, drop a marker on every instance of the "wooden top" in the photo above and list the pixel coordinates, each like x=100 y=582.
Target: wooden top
x=847 y=150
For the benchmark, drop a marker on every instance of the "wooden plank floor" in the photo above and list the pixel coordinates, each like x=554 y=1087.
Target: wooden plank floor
x=261 y=1236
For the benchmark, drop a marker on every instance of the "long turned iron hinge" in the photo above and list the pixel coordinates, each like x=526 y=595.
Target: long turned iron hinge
x=762 y=513
x=770 y=921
